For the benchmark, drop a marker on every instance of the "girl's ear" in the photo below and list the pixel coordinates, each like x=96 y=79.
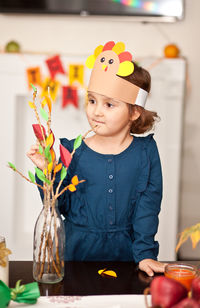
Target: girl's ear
x=135 y=114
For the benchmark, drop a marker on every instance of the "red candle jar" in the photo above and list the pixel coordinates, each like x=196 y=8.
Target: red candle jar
x=182 y=272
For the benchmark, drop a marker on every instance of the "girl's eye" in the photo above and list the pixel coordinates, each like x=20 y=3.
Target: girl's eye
x=92 y=101
x=109 y=105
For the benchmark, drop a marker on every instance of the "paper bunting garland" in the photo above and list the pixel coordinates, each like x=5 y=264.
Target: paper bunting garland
x=76 y=74
x=34 y=76
x=69 y=96
x=55 y=66
x=53 y=85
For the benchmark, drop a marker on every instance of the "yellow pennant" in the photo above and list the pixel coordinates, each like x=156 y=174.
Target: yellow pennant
x=53 y=85
x=76 y=74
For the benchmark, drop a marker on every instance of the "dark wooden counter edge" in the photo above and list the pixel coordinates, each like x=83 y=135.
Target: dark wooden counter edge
x=81 y=278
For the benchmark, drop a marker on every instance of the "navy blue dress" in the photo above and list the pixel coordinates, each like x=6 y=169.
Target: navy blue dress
x=113 y=215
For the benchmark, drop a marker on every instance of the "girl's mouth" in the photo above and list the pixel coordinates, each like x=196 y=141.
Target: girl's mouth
x=98 y=122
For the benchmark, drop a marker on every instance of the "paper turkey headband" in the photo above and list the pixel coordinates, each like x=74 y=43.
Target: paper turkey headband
x=108 y=63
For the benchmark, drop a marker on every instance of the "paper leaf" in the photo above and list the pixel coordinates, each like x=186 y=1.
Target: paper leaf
x=106 y=272
x=57 y=168
x=34 y=88
x=65 y=156
x=50 y=140
x=31 y=176
x=63 y=173
x=48 y=100
x=47 y=153
x=38 y=131
x=44 y=114
x=71 y=187
x=75 y=180
x=50 y=166
x=53 y=156
x=12 y=166
x=40 y=149
x=32 y=105
x=41 y=176
x=77 y=142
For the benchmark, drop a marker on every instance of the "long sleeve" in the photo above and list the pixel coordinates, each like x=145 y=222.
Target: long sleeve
x=145 y=219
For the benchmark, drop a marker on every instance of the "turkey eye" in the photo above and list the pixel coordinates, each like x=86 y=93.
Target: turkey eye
x=102 y=59
x=111 y=61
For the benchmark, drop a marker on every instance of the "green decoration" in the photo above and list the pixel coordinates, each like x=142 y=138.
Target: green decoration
x=44 y=114
x=41 y=176
x=47 y=153
x=34 y=88
x=77 y=142
x=63 y=173
x=40 y=149
x=12 y=166
x=31 y=176
x=12 y=46
x=28 y=293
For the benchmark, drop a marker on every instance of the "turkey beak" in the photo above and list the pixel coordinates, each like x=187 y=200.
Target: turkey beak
x=104 y=67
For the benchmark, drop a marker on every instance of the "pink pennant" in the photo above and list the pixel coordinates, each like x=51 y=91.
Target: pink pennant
x=65 y=156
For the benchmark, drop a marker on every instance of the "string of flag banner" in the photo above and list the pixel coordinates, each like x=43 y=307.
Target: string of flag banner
x=69 y=91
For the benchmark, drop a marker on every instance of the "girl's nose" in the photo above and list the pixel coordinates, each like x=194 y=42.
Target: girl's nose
x=98 y=110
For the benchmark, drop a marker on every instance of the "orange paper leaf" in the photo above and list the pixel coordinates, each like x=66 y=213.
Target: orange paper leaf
x=57 y=168
x=53 y=156
x=50 y=166
x=75 y=180
x=48 y=100
x=105 y=272
x=71 y=187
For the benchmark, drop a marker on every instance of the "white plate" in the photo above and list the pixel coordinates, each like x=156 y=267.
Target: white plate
x=102 y=301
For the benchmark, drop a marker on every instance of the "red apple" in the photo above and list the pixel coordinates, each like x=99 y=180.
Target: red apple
x=166 y=292
x=187 y=303
x=195 y=287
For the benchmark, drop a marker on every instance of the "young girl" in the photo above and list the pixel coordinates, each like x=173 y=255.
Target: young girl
x=113 y=215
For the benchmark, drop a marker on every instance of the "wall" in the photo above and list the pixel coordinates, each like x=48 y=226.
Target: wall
x=74 y=35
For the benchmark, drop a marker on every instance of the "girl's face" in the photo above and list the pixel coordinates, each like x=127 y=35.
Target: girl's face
x=110 y=117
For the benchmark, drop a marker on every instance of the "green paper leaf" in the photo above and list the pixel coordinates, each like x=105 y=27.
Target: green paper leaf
x=41 y=176
x=63 y=173
x=44 y=114
x=40 y=149
x=12 y=166
x=77 y=142
x=31 y=176
x=47 y=153
x=34 y=88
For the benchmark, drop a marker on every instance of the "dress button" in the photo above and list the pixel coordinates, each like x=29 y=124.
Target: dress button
x=111 y=222
x=110 y=191
x=110 y=160
x=110 y=207
x=110 y=176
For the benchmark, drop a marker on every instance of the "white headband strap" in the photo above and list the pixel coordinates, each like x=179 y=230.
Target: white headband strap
x=141 y=98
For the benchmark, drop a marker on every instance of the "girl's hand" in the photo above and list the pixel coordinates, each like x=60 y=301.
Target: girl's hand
x=36 y=157
x=149 y=266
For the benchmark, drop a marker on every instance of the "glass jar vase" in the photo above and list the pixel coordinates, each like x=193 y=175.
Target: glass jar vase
x=49 y=245
x=4 y=263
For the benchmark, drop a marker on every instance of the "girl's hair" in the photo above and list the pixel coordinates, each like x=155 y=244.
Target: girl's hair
x=141 y=78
